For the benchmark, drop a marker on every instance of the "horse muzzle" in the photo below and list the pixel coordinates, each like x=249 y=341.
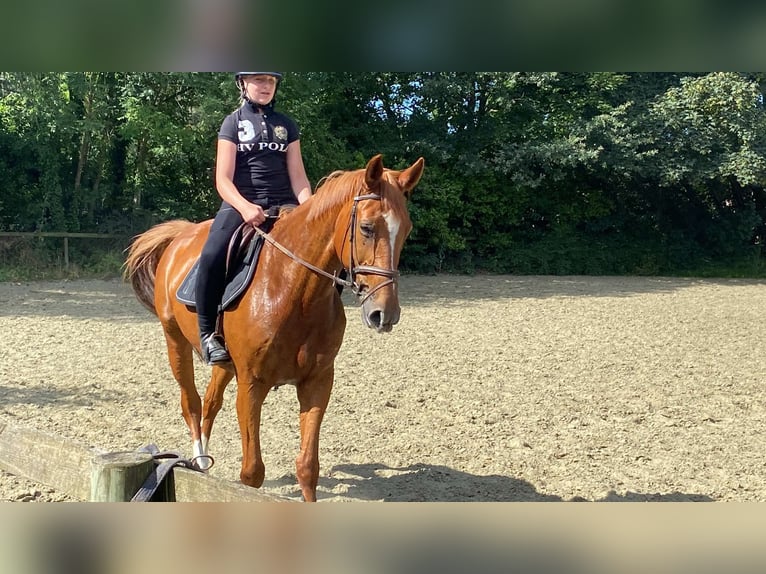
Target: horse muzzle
x=382 y=318
x=379 y=303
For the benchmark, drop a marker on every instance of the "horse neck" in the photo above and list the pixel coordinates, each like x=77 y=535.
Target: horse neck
x=310 y=239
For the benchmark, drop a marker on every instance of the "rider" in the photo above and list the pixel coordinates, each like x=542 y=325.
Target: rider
x=258 y=166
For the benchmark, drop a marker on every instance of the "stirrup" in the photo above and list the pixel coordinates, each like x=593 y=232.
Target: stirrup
x=214 y=350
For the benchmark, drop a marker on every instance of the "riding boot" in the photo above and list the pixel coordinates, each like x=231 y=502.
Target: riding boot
x=213 y=349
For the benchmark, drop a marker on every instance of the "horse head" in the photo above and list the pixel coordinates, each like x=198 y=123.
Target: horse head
x=369 y=238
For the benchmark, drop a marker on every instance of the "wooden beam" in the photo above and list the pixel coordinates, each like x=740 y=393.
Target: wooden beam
x=192 y=486
x=60 y=234
x=49 y=460
x=66 y=466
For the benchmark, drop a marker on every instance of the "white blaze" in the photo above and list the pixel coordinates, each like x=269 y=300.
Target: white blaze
x=393 y=232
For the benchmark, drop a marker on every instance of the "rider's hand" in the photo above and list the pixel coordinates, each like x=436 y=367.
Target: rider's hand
x=253 y=214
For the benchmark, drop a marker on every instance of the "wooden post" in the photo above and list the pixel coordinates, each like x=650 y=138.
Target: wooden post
x=117 y=476
x=66 y=254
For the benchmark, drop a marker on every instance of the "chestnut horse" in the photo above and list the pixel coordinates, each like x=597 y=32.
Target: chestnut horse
x=288 y=325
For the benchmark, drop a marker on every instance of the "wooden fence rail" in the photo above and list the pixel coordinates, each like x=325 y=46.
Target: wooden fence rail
x=65 y=236
x=66 y=466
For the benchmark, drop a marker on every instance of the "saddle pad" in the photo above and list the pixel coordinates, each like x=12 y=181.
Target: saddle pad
x=237 y=280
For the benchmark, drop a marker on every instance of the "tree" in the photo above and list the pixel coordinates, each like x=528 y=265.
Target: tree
x=710 y=136
x=525 y=172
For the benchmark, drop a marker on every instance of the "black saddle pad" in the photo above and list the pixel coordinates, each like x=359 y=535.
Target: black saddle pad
x=237 y=279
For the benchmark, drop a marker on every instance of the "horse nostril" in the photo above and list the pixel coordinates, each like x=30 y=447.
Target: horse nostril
x=376 y=317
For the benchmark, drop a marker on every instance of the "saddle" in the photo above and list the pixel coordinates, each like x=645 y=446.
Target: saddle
x=241 y=261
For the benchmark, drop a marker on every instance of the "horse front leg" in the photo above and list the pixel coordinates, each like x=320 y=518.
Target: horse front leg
x=250 y=396
x=219 y=379
x=313 y=396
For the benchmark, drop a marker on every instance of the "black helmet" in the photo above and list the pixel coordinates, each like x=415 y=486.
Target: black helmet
x=277 y=75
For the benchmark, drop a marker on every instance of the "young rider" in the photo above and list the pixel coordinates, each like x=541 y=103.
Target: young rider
x=258 y=166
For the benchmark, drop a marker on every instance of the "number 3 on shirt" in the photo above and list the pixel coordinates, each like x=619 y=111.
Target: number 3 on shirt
x=246 y=131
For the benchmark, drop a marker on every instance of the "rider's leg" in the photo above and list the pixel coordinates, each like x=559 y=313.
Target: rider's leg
x=211 y=283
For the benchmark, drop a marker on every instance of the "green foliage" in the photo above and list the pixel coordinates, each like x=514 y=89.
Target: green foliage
x=34 y=258
x=561 y=173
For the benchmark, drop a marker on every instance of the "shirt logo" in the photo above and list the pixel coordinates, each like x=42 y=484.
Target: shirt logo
x=280 y=132
x=261 y=146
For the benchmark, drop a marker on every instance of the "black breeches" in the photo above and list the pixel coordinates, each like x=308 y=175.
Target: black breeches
x=211 y=279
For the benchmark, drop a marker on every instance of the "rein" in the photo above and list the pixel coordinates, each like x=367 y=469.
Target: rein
x=356 y=288
x=334 y=278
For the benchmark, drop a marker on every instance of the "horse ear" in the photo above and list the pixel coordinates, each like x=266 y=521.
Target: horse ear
x=410 y=177
x=374 y=171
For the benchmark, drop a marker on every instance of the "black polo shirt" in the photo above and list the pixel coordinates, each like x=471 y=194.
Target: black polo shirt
x=262 y=136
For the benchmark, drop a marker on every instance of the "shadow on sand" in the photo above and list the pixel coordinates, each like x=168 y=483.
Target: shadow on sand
x=435 y=483
x=44 y=396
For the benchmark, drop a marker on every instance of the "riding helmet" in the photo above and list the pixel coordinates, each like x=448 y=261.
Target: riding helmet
x=277 y=75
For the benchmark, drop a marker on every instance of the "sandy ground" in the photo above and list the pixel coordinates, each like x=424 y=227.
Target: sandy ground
x=497 y=388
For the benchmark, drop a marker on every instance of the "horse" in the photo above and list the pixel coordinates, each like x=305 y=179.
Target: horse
x=288 y=325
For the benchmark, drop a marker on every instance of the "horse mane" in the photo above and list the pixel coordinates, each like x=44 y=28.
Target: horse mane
x=333 y=190
x=340 y=186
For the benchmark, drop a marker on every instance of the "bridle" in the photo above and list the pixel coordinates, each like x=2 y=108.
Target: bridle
x=353 y=270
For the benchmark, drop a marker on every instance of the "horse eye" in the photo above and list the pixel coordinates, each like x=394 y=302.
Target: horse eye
x=367 y=229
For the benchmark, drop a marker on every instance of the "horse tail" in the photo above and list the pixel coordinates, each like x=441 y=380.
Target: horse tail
x=144 y=256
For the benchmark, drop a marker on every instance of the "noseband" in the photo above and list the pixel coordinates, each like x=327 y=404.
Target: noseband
x=354 y=269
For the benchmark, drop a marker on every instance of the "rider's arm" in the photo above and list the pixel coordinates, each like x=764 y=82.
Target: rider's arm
x=299 y=181
x=226 y=157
